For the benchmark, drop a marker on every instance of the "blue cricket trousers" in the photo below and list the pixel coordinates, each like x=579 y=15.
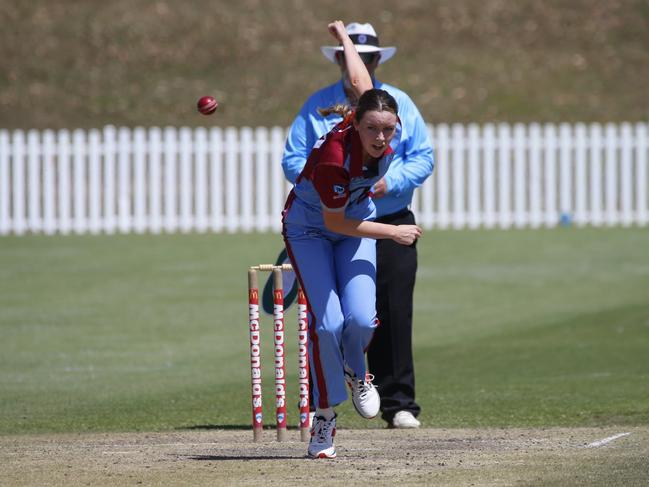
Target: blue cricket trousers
x=338 y=275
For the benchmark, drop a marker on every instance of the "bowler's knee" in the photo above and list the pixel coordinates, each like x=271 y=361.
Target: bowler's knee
x=363 y=320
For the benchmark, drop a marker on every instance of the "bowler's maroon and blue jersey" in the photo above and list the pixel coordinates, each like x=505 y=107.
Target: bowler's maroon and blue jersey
x=335 y=178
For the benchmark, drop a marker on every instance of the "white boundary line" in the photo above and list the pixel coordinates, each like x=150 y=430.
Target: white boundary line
x=604 y=441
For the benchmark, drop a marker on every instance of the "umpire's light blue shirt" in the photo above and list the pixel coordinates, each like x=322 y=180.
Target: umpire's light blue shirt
x=413 y=159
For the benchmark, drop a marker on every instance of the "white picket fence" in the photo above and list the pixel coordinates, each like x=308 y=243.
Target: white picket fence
x=168 y=180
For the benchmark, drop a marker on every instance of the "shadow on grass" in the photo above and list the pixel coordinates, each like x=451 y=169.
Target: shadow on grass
x=219 y=458
x=216 y=427
x=241 y=427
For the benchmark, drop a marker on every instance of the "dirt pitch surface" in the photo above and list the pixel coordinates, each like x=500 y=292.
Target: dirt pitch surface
x=557 y=456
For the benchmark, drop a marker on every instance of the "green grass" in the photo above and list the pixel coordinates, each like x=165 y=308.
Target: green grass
x=141 y=333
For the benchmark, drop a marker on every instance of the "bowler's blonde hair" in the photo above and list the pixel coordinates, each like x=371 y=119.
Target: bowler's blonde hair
x=339 y=108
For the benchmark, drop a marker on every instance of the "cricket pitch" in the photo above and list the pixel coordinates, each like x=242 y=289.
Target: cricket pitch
x=552 y=456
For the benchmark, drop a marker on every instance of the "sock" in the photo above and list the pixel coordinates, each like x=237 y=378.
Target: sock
x=326 y=413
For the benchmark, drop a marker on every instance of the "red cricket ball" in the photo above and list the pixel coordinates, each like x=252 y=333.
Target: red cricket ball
x=207 y=105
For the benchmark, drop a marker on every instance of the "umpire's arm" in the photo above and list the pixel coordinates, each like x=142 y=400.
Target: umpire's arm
x=416 y=154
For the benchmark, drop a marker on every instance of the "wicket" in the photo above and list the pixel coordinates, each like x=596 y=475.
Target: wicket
x=280 y=371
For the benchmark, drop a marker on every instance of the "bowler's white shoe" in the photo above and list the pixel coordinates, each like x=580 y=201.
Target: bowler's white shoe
x=405 y=420
x=322 y=438
x=365 y=397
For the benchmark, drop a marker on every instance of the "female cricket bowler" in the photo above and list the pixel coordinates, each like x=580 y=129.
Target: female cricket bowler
x=329 y=236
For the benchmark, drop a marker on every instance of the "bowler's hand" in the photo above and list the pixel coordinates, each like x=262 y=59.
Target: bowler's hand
x=380 y=189
x=337 y=30
x=406 y=234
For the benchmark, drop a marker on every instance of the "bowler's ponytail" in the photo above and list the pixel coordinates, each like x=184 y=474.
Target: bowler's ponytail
x=338 y=108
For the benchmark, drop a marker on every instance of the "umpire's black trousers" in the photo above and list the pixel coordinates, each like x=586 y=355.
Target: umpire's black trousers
x=390 y=352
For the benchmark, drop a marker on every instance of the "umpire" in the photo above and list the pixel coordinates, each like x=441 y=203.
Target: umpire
x=390 y=353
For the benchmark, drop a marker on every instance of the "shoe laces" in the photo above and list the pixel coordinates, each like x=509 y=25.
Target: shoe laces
x=366 y=385
x=323 y=428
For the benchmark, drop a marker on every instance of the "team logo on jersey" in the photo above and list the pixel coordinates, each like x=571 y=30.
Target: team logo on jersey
x=339 y=191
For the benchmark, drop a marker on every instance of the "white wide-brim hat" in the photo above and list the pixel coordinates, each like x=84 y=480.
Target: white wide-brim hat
x=365 y=40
